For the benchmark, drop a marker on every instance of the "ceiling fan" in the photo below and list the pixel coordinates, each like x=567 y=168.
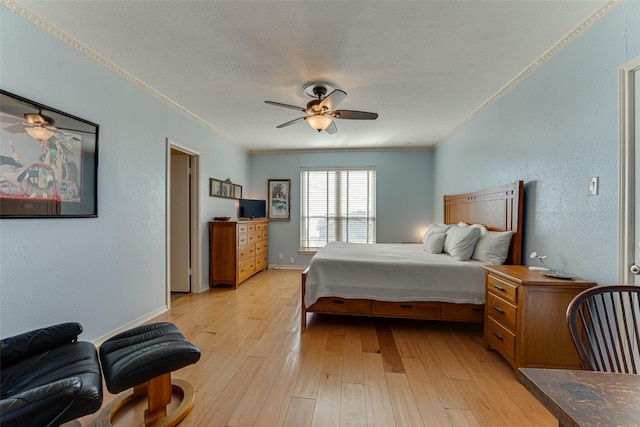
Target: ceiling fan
x=40 y=127
x=322 y=110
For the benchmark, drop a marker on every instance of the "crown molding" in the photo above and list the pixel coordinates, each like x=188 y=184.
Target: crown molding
x=39 y=22
x=54 y=31
x=565 y=41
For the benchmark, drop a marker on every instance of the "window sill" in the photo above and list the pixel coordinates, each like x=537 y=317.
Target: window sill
x=308 y=251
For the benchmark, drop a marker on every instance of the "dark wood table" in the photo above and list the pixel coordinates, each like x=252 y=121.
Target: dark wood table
x=585 y=398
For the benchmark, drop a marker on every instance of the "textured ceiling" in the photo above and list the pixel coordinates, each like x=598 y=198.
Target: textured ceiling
x=423 y=66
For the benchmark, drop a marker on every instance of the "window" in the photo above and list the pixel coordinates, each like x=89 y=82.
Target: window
x=337 y=204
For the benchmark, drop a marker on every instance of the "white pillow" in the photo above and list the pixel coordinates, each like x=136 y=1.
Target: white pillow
x=493 y=247
x=435 y=228
x=461 y=241
x=434 y=243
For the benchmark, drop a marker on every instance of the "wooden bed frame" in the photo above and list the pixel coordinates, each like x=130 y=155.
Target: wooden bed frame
x=499 y=209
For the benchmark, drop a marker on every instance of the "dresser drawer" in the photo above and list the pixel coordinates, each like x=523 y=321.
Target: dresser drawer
x=259 y=227
x=251 y=227
x=500 y=338
x=243 y=239
x=262 y=247
x=501 y=310
x=261 y=262
x=251 y=236
x=245 y=252
x=246 y=269
x=506 y=290
x=242 y=228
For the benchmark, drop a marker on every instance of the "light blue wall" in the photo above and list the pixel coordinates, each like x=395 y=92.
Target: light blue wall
x=109 y=271
x=403 y=191
x=554 y=130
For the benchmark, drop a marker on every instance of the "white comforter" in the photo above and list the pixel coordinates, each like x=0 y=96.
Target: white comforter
x=392 y=272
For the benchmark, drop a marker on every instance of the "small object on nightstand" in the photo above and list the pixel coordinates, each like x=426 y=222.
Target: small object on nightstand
x=541 y=258
x=557 y=274
x=221 y=218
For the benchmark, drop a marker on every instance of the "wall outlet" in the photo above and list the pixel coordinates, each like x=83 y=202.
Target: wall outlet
x=280 y=256
x=292 y=260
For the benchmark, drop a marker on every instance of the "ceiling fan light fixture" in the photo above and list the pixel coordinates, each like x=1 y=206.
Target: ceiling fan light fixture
x=318 y=122
x=41 y=134
x=38 y=119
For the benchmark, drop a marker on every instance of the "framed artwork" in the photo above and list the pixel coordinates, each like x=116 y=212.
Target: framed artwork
x=279 y=199
x=237 y=191
x=215 y=188
x=225 y=189
x=48 y=161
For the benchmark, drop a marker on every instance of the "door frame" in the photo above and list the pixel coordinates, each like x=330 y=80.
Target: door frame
x=627 y=135
x=194 y=197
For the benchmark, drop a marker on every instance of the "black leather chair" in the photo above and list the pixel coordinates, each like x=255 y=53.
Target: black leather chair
x=48 y=377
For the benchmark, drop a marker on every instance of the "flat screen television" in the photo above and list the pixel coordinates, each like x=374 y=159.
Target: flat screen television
x=251 y=208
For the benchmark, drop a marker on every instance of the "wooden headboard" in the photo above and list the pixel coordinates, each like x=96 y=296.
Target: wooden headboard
x=499 y=209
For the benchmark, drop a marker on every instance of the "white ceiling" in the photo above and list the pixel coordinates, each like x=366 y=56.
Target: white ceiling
x=424 y=66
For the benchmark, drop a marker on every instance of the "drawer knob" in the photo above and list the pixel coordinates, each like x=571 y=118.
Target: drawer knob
x=500 y=337
x=337 y=301
x=500 y=288
x=498 y=309
x=405 y=305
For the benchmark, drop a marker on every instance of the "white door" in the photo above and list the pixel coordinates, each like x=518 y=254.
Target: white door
x=629 y=219
x=636 y=127
x=180 y=228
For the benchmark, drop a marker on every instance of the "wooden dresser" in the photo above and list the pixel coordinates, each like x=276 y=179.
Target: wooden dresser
x=237 y=250
x=525 y=317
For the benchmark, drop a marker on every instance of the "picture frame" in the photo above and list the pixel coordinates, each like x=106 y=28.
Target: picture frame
x=49 y=161
x=215 y=187
x=225 y=189
x=279 y=199
x=237 y=191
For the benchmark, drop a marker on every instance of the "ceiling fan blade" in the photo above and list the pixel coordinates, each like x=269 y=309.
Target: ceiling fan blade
x=279 y=104
x=15 y=128
x=289 y=123
x=354 y=115
x=331 y=101
x=331 y=128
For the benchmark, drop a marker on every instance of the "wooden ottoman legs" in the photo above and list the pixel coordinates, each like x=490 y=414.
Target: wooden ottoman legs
x=158 y=391
x=142 y=359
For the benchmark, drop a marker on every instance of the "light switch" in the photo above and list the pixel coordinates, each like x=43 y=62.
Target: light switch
x=592 y=186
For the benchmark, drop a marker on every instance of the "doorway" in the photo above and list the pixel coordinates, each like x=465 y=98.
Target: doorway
x=182 y=211
x=629 y=238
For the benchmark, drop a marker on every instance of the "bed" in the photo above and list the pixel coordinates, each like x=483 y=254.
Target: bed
x=388 y=280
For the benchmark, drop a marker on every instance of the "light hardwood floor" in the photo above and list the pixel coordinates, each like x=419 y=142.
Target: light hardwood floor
x=257 y=369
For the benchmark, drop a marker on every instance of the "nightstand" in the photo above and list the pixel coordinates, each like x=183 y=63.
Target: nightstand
x=524 y=317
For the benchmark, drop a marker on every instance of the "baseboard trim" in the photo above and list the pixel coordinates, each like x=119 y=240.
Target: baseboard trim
x=139 y=321
x=287 y=267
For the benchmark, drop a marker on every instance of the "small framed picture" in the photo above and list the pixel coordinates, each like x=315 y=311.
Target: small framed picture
x=215 y=188
x=237 y=191
x=279 y=199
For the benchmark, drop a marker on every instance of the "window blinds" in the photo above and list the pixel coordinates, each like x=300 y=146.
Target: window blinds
x=337 y=204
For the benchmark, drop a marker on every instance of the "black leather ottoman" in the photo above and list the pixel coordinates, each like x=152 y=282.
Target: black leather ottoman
x=143 y=358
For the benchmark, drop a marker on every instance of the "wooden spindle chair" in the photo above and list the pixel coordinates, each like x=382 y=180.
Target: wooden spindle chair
x=604 y=322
